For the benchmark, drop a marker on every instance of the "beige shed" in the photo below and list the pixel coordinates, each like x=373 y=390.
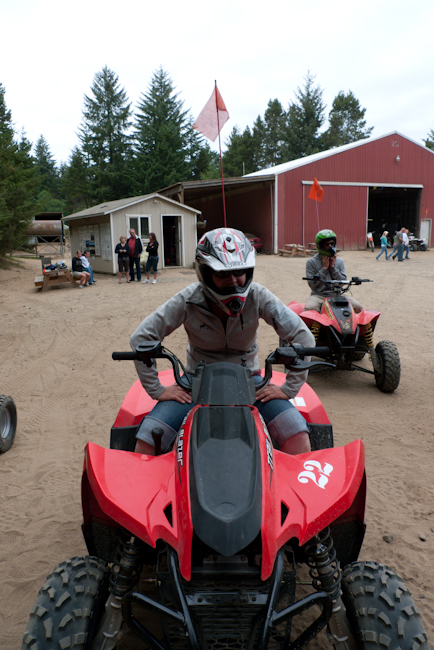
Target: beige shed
x=99 y=228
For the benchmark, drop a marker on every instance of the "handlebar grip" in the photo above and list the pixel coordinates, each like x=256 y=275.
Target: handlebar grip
x=124 y=356
x=317 y=352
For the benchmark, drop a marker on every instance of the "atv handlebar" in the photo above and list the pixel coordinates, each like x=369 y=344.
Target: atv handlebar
x=124 y=356
x=292 y=357
x=339 y=286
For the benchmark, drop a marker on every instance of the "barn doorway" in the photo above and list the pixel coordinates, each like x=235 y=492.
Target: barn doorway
x=172 y=240
x=393 y=208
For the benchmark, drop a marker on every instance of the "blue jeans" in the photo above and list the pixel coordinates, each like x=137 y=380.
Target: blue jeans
x=281 y=417
x=135 y=261
x=400 y=252
x=383 y=250
x=152 y=264
x=407 y=248
x=89 y=270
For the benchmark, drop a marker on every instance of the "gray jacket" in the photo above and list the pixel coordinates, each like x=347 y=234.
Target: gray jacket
x=314 y=267
x=210 y=341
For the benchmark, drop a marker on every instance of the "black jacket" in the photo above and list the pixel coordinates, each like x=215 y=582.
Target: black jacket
x=138 y=247
x=77 y=265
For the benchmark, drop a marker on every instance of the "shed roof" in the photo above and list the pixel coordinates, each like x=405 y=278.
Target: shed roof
x=307 y=160
x=111 y=206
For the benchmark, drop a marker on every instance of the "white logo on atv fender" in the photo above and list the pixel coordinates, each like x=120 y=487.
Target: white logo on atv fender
x=314 y=472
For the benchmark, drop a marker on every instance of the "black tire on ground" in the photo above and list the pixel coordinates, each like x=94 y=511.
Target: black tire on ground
x=413 y=247
x=423 y=247
x=69 y=606
x=358 y=356
x=387 y=378
x=8 y=422
x=380 y=609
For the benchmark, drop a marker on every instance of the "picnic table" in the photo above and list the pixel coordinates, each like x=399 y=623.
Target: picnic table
x=50 y=278
x=292 y=249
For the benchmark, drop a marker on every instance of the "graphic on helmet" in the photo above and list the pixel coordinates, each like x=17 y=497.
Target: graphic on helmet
x=325 y=242
x=219 y=253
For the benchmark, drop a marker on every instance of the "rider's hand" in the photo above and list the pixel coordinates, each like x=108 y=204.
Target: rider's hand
x=325 y=261
x=332 y=261
x=175 y=393
x=271 y=392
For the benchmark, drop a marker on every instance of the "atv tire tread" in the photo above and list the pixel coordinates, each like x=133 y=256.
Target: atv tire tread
x=68 y=606
x=387 y=379
x=8 y=422
x=381 y=609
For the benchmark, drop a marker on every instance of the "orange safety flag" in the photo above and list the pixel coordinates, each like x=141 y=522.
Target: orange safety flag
x=316 y=191
x=212 y=117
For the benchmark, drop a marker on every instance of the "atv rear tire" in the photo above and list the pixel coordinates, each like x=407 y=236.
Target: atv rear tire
x=69 y=606
x=387 y=378
x=423 y=247
x=8 y=422
x=380 y=609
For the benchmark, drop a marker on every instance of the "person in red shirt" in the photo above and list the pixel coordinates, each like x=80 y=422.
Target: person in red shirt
x=135 y=246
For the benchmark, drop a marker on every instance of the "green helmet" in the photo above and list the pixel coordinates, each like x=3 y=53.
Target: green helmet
x=325 y=236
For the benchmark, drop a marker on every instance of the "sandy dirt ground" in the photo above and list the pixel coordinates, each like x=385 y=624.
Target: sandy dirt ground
x=55 y=360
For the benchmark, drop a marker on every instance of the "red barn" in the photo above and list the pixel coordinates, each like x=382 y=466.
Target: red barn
x=380 y=183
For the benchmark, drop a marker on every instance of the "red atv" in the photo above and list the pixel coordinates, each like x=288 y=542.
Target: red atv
x=349 y=336
x=224 y=520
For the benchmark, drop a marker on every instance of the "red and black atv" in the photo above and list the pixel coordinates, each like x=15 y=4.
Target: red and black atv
x=349 y=336
x=224 y=520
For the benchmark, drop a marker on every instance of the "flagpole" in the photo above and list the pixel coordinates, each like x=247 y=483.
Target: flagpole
x=221 y=159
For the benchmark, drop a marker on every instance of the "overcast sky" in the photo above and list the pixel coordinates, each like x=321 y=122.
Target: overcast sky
x=380 y=50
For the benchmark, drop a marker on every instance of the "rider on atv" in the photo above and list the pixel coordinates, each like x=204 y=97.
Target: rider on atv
x=325 y=266
x=220 y=314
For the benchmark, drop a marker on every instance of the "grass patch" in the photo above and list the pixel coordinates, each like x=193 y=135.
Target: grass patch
x=7 y=263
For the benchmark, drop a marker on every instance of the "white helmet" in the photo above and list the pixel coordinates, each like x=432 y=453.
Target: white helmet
x=225 y=249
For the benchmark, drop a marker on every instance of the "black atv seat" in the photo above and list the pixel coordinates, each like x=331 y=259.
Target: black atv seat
x=225 y=478
x=340 y=301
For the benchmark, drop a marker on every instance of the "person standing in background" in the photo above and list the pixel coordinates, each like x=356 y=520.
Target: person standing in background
x=136 y=249
x=123 y=254
x=383 y=243
x=152 y=261
x=406 y=243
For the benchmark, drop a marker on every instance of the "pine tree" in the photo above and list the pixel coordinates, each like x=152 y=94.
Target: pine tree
x=241 y=154
x=305 y=117
x=346 y=120
x=160 y=130
x=105 y=138
x=429 y=142
x=270 y=132
x=49 y=188
x=76 y=183
x=17 y=181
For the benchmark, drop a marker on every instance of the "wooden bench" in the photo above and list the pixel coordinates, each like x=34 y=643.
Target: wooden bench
x=293 y=249
x=60 y=276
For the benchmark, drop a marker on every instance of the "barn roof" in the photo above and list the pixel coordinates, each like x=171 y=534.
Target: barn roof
x=307 y=160
x=111 y=206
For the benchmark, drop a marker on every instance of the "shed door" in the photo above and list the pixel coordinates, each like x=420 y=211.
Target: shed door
x=172 y=240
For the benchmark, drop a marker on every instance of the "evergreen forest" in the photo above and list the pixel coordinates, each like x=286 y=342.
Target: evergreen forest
x=124 y=151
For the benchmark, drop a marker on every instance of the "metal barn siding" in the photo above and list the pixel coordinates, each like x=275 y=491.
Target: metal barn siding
x=344 y=212
x=392 y=160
